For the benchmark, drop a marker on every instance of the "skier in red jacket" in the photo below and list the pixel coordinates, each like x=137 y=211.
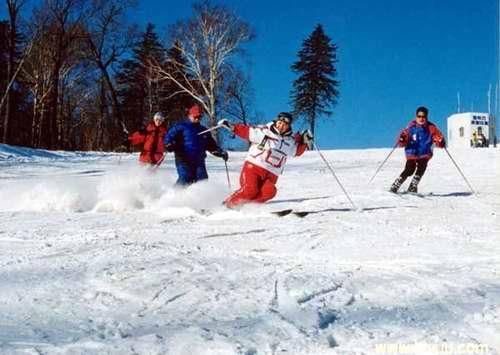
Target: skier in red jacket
x=271 y=145
x=417 y=139
x=152 y=139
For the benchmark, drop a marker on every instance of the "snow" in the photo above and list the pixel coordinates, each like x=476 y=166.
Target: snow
x=99 y=255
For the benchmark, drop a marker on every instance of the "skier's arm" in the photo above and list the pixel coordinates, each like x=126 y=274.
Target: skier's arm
x=437 y=136
x=242 y=131
x=137 y=138
x=403 y=138
x=211 y=144
x=171 y=137
x=214 y=149
x=303 y=141
x=251 y=134
x=301 y=148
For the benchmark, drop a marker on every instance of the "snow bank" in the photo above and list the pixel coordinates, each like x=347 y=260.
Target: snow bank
x=12 y=154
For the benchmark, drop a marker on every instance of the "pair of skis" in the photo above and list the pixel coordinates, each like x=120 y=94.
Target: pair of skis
x=283 y=213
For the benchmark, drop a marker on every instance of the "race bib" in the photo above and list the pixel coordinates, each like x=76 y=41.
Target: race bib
x=275 y=158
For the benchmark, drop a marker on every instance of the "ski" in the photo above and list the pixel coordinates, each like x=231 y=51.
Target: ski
x=286 y=212
x=301 y=214
x=282 y=213
x=416 y=194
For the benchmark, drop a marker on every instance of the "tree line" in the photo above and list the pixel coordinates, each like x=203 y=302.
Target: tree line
x=77 y=75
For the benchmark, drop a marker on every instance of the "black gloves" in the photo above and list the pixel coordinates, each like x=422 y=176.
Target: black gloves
x=221 y=154
x=170 y=147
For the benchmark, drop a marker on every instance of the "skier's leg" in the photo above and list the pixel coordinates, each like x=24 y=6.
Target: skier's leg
x=200 y=172
x=184 y=172
x=421 y=167
x=267 y=191
x=409 y=169
x=250 y=182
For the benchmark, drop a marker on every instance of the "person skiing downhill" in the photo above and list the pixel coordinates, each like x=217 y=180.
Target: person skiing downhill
x=151 y=137
x=190 y=147
x=417 y=139
x=271 y=145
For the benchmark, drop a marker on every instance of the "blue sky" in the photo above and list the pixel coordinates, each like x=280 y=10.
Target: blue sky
x=394 y=55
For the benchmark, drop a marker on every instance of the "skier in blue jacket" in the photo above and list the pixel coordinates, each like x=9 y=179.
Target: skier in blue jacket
x=417 y=139
x=190 y=148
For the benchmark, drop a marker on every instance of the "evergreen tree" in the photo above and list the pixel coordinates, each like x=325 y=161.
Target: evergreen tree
x=315 y=91
x=138 y=88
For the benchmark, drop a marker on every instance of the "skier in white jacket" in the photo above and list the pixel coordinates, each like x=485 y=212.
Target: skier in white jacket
x=271 y=145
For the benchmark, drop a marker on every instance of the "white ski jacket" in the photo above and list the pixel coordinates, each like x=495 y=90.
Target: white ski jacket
x=268 y=148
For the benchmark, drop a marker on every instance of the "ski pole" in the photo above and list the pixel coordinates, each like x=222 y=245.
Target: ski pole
x=381 y=165
x=333 y=173
x=157 y=165
x=459 y=170
x=211 y=129
x=227 y=175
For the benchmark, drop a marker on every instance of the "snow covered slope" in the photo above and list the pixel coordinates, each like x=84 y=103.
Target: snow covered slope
x=100 y=256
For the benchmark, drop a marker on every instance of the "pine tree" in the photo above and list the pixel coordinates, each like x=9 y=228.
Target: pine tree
x=138 y=89
x=315 y=91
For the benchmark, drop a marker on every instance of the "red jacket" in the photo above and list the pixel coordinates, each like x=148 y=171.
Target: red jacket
x=152 y=138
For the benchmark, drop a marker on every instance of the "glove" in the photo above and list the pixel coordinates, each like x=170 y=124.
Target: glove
x=226 y=124
x=170 y=147
x=221 y=154
x=308 y=139
x=403 y=139
x=441 y=143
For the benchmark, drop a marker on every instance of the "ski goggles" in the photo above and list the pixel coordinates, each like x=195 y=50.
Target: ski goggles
x=284 y=119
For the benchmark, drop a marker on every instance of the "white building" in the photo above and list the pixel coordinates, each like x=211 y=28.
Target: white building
x=471 y=129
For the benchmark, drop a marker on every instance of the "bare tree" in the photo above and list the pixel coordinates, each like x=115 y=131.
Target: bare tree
x=108 y=38
x=63 y=32
x=207 y=42
x=37 y=76
x=238 y=97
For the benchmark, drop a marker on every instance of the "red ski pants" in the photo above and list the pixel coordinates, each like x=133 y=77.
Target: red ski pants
x=256 y=185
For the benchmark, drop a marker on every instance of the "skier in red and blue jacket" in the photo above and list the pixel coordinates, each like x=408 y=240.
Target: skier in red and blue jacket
x=417 y=139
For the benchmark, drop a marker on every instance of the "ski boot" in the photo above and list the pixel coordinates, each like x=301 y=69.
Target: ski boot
x=413 y=188
x=396 y=185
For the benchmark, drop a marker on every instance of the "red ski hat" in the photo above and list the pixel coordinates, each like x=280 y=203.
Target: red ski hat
x=195 y=111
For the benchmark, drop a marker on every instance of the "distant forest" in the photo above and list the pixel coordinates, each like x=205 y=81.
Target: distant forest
x=77 y=75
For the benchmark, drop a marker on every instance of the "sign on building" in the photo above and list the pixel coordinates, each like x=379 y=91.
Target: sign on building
x=471 y=129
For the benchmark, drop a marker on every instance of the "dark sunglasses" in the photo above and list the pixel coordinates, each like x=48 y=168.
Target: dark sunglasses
x=421 y=116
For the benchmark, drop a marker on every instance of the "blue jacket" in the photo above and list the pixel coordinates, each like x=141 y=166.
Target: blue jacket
x=419 y=139
x=189 y=147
